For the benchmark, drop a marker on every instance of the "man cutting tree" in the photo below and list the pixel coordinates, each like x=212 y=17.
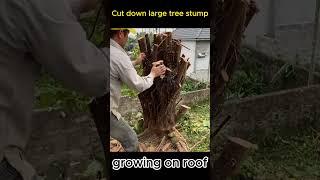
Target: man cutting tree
x=122 y=71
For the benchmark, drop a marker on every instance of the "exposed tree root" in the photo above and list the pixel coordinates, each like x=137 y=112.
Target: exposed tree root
x=150 y=141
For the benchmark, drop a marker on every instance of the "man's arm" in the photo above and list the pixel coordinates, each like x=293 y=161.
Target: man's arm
x=59 y=43
x=129 y=75
x=139 y=60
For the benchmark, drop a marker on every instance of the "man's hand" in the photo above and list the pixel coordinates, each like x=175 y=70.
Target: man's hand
x=158 y=69
x=140 y=58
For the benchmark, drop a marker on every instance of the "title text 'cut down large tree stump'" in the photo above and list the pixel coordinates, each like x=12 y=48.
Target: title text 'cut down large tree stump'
x=160 y=103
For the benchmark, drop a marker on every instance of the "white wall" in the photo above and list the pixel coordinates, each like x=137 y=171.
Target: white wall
x=189 y=54
x=202 y=63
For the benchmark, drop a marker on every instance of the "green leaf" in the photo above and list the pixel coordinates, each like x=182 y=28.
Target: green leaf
x=93 y=168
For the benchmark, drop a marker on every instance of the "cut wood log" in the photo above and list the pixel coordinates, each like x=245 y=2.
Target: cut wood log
x=179 y=147
x=224 y=75
x=161 y=144
x=142 y=147
x=181 y=69
x=165 y=147
x=182 y=110
x=142 y=45
x=228 y=164
x=148 y=44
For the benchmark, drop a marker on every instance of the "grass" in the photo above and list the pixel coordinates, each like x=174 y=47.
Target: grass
x=253 y=76
x=195 y=126
x=126 y=91
x=285 y=157
x=191 y=85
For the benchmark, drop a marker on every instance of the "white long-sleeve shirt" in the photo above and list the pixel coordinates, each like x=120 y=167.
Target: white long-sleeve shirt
x=35 y=33
x=123 y=71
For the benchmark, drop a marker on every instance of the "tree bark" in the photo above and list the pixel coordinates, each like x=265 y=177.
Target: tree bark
x=231 y=19
x=160 y=100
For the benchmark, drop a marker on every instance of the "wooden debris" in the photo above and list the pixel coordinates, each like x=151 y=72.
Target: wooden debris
x=161 y=144
x=229 y=162
x=182 y=110
x=165 y=147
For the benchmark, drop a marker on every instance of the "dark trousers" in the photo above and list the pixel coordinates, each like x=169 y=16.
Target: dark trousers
x=121 y=131
x=7 y=172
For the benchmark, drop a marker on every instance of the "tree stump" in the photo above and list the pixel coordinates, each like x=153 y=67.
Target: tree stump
x=159 y=102
x=228 y=164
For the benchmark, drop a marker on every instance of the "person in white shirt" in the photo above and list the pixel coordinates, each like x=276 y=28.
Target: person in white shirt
x=35 y=34
x=122 y=71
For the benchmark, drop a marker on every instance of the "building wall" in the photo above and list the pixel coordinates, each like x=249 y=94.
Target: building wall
x=189 y=54
x=294 y=11
x=283 y=12
x=259 y=24
x=292 y=44
x=283 y=30
x=257 y=118
x=202 y=63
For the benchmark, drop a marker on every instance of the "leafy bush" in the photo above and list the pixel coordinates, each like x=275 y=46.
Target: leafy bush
x=51 y=94
x=192 y=85
x=195 y=125
x=245 y=84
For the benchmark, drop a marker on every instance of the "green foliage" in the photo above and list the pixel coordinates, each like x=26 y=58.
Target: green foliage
x=93 y=169
x=191 y=85
x=245 y=83
x=253 y=76
x=136 y=52
x=88 y=24
x=51 y=94
x=195 y=125
x=131 y=44
x=285 y=157
x=126 y=91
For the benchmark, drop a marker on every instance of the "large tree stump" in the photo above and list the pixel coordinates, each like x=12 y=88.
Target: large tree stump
x=159 y=102
x=231 y=19
x=233 y=16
